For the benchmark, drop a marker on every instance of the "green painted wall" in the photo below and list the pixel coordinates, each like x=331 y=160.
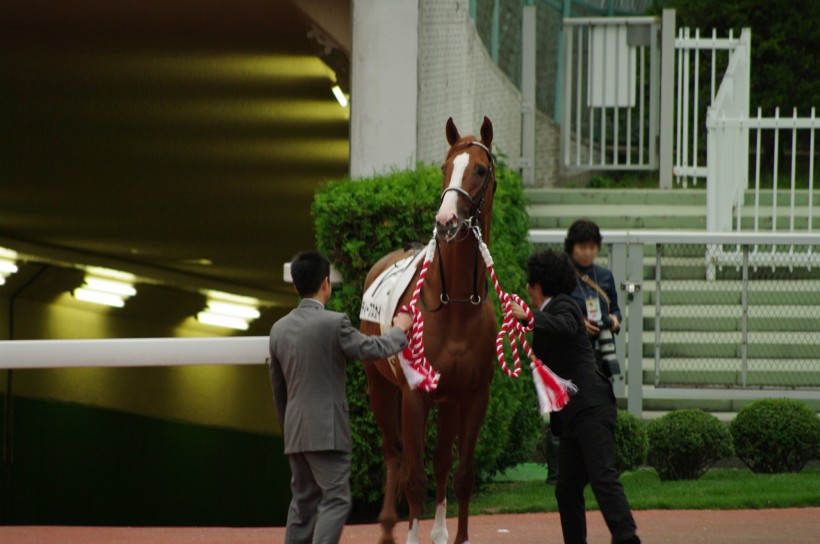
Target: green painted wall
x=190 y=445
x=78 y=465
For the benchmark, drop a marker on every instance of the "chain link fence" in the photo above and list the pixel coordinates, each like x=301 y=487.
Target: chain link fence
x=732 y=311
x=740 y=315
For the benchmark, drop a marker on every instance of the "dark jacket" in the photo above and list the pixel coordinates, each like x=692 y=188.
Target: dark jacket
x=560 y=341
x=606 y=281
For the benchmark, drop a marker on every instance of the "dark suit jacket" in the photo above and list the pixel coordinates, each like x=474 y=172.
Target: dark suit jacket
x=309 y=349
x=560 y=341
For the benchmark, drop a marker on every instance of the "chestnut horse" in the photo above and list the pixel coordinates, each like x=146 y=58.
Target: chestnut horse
x=459 y=339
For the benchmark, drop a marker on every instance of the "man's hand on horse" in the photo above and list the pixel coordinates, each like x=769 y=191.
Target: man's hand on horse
x=403 y=320
x=518 y=312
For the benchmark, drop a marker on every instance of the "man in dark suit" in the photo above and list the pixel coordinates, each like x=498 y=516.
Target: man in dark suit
x=309 y=349
x=586 y=425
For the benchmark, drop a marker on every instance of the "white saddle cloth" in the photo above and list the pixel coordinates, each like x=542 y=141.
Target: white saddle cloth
x=381 y=299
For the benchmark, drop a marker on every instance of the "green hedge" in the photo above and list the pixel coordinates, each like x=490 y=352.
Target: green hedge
x=357 y=222
x=631 y=443
x=684 y=444
x=776 y=435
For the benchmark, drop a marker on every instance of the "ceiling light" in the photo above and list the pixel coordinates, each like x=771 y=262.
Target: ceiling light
x=106 y=286
x=219 y=320
x=97 y=297
x=8 y=263
x=340 y=96
x=229 y=310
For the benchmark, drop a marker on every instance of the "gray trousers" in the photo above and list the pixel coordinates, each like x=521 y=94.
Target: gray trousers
x=321 y=502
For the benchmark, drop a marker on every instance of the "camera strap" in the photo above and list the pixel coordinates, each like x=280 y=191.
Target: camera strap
x=586 y=279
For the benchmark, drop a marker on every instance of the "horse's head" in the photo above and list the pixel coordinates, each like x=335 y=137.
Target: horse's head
x=469 y=171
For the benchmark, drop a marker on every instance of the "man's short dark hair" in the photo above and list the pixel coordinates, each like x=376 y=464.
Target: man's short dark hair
x=309 y=269
x=553 y=271
x=581 y=232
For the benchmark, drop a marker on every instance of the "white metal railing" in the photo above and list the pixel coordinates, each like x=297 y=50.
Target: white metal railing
x=610 y=117
x=727 y=144
x=806 y=126
x=690 y=130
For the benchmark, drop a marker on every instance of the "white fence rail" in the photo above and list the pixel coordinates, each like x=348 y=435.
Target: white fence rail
x=690 y=107
x=728 y=144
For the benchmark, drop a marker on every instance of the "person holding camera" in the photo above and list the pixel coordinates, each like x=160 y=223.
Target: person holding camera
x=586 y=425
x=597 y=298
x=595 y=293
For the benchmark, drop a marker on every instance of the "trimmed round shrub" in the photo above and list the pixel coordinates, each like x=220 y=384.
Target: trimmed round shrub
x=684 y=444
x=631 y=443
x=776 y=435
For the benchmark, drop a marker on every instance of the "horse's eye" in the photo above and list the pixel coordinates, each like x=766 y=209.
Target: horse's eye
x=480 y=170
x=443 y=168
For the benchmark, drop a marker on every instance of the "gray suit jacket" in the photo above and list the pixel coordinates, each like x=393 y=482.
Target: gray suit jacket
x=309 y=349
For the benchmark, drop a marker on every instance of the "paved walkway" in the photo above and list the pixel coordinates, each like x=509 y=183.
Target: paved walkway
x=788 y=525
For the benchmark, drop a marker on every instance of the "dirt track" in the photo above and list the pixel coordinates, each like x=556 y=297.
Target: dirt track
x=789 y=525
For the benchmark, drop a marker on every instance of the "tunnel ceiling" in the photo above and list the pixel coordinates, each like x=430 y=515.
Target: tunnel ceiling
x=188 y=136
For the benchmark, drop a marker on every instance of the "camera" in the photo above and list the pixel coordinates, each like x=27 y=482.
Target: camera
x=608 y=361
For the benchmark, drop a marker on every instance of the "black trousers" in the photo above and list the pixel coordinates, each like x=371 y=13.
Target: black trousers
x=586 y=456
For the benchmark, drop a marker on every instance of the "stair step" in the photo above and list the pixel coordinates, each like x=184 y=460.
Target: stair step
x=616 y=196
x=728 y=372
x=728 y=292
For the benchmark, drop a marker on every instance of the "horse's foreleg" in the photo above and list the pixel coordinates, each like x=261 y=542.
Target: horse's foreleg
x=385 y=400
x=471 y=417
x=415 y=408
x=442 y=463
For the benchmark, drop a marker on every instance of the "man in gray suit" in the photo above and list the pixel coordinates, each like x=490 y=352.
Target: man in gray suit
x=309 y=349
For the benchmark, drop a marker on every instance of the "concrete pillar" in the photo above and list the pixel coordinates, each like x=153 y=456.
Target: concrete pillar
x=384 y=86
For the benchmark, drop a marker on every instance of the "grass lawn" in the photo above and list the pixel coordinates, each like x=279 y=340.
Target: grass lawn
x=522 y=489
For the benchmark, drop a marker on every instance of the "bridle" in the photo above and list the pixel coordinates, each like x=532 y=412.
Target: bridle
x=476 y=204
x=477 y=201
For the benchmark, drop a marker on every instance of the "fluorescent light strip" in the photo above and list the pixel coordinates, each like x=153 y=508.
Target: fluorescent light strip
x=229 y=297
x=7 y=267
x=97 y=297
x=108 y=273
x=340 y=96
x=220 y=320
x=232 y=310
x=108 y=286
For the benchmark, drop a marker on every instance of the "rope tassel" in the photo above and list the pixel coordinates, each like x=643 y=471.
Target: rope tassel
x=553 y=391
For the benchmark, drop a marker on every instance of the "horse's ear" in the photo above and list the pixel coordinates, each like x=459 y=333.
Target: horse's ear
x=487 y=133
x=452 y=132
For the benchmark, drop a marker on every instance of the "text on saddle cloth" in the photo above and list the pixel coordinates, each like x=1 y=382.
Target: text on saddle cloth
x=381 y=299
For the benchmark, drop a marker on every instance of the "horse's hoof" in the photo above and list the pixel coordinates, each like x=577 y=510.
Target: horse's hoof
x=439 y=535
x=387 y=540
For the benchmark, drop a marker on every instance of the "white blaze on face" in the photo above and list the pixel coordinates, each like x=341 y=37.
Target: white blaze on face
x=448 y=210
x=439 y=534
x=413 y=535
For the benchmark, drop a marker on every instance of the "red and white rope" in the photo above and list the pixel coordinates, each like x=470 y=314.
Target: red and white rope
x=418 y=371
x=553 y=391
